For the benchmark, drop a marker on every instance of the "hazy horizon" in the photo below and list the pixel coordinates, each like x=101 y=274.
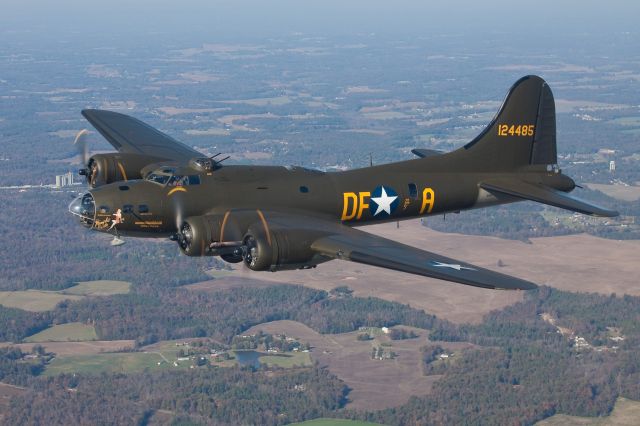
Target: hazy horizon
x=252 y=18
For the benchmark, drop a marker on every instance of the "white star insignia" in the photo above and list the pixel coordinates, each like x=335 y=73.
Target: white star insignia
x=455 y=266
x=384 y=202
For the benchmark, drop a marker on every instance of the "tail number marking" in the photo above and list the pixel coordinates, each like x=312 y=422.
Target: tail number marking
x=515 y=130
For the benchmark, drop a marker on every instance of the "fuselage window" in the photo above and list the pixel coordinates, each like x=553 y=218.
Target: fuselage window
x=413 y=191
x=143 y=208
x=104 y=209
x=127 y=208
x=304 y=189
x=194 y=180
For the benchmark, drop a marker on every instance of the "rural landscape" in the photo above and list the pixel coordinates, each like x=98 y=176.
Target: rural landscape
x=96 y=334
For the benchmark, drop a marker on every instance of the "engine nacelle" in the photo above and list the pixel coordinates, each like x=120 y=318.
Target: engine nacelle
x=197 y=233
x=103 y=169
x=280 y=249
x=211 y=235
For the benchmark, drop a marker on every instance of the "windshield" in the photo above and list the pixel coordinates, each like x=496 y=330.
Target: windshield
x=161 y=179
x=184 y=180
x=168 y=177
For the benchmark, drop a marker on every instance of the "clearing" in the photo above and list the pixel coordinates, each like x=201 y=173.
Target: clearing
x=90 y=347
x=625 y=412
x=40 y=301
x=33 y=300
x=123 y=362
x=375 y=384
x=98 y=288
x=288 y=360
x=70 y=332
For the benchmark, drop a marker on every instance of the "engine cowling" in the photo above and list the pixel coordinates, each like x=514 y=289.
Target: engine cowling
x=201 y=236
x=196 y=235
x=281 y=249
x=103 y=169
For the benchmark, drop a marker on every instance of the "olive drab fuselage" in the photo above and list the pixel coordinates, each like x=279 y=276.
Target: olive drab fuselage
x=352 y=197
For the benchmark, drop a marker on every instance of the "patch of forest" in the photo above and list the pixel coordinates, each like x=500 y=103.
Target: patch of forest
x=150 y=315
x=526 y=363
x=524 y=369
x=226 y=396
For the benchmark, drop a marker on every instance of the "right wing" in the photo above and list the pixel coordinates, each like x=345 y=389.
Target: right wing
x=362 y=247
x=130 y=135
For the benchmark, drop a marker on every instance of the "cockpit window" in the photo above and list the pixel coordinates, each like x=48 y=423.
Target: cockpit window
x=168 y=177
x=158 y=178
x=184 y=180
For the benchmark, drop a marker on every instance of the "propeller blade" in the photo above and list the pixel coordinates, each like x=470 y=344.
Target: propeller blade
x=80 y=143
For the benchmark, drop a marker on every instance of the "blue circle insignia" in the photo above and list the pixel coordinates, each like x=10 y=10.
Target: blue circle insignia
x=383 y=201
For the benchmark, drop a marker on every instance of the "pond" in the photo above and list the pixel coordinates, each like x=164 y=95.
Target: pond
x=248 y=358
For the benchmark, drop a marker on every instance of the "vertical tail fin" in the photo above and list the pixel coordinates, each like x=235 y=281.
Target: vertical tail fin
x=523 y=132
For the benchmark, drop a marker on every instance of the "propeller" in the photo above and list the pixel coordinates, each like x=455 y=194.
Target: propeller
x=183 y=235
x=80 y=142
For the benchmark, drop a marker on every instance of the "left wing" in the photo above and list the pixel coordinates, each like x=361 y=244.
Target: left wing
x=362 y=247
x=130 y=135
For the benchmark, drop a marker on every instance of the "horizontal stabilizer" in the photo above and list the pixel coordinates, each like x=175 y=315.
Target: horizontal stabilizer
x=421 y=152
x=545 y=195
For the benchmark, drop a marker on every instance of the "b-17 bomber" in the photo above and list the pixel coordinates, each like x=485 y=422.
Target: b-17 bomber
x=274 y=218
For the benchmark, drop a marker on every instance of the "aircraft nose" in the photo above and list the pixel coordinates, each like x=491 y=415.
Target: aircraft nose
x=84 y=207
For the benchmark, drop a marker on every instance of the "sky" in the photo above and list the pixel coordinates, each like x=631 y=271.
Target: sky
x=254 y=18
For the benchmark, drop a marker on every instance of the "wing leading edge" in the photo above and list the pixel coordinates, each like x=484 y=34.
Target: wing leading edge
x=362 y=247
x=130 y=135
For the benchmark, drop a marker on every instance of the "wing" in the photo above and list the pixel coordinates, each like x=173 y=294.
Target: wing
x=130 y=135
x=362 y=247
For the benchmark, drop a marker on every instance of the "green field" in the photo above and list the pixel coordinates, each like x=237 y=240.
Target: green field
x=71 y=332
x=288 y=360
x=98 y=288
x=334 y=422
x=125 y=362
x=40 y=301
x=625 y=412
x=33 y=300
x=161 y=355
